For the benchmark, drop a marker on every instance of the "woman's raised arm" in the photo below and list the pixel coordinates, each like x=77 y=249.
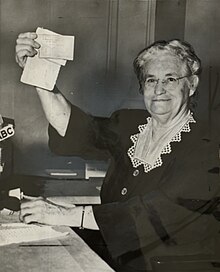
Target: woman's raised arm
x=55 y=106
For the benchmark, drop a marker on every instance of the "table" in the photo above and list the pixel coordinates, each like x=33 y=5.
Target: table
x=69 y=253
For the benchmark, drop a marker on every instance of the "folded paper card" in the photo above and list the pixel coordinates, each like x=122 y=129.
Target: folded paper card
x=42 y=31
x=56 y=46
x=40 y=73
x=42 y=70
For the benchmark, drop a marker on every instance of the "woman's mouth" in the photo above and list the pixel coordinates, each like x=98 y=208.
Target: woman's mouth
x=162 y=100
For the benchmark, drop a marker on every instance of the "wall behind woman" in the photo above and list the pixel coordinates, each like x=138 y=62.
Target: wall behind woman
x=170 y=19
x=202 y=30
x=109 y=33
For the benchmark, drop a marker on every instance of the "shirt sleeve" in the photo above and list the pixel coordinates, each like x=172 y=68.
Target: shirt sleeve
x=87 y=136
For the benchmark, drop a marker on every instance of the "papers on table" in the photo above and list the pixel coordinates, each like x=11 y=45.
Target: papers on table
x=19 y=233
x=42 y=70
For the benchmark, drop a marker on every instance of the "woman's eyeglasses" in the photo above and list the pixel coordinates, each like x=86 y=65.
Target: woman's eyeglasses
x=168 y=82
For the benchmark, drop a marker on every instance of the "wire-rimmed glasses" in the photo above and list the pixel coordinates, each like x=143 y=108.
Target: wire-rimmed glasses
x=169 y=82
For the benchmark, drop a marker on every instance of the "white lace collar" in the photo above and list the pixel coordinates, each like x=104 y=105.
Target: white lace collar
x=166 y=149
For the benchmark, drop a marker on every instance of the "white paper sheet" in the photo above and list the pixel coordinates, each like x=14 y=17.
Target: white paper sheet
x=41 y=31
x=19 y=233
x=56 y=46
x=40 y=72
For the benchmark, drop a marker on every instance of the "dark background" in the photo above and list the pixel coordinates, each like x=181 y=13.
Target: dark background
x=109 y=34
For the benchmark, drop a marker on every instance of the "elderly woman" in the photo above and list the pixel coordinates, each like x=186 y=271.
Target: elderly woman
x=161 y=188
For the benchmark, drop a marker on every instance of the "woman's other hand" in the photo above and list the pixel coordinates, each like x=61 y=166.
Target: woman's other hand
x=26 y=46
x=41 y=210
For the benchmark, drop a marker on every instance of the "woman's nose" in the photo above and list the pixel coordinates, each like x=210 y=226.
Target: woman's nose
x=159 y=88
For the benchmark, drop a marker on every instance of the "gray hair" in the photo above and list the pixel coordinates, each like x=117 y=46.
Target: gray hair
x=183 y=50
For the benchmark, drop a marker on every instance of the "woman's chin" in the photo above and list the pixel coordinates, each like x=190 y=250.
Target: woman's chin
x=159 y=111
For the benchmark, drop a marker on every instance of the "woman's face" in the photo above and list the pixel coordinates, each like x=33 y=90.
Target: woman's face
x=162 y=100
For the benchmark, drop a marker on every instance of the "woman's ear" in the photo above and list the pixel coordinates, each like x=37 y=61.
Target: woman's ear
x=194 y=81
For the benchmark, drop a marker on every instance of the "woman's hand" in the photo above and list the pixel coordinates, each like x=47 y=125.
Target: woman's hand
x=25 y=47
x=43 y=211
x=40 y=210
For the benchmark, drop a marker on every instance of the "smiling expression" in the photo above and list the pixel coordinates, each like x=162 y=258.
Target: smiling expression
x=159 y=100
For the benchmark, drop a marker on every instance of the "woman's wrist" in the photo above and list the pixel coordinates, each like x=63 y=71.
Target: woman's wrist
x=70 y=216
x=80 y=216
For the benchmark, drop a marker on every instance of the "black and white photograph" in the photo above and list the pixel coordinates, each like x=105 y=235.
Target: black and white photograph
x=109 y=135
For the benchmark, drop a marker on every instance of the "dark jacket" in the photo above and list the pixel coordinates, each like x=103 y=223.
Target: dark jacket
x=171 y=210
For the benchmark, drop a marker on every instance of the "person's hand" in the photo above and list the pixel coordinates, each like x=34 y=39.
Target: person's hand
x=25 y=47
x=40 y=210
